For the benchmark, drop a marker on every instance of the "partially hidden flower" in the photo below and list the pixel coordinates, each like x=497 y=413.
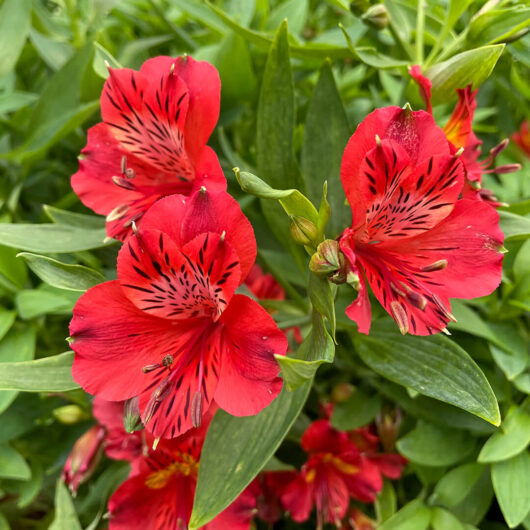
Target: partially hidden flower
x=358 y=520
x=84 y=458
x=161 y=486
x=152 y=140
x=334 y=473
x=413 y=239
x=170 y=329
x=459 y=132
x=522 y=138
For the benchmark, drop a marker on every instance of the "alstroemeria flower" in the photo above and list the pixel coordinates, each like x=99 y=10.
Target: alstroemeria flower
x=152 y=141
x=84 y=458
x=459 y=132
x=118 y=443
x=170 y=329
x=335 y=472
x=412 y=238
x=522 y=138
x=159 y=491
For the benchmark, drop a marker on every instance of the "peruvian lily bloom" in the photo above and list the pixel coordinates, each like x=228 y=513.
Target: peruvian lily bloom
x=118 y=443
x=152 y=141
x=335 y=472
x=83 y=458
x=170 y=329
x=459 y=132
x=161 y=486
x=522 y=138
x=412 y=238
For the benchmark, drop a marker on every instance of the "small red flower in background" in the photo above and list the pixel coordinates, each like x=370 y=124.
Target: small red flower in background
x=522 y=138
x=83 y=458
x=357 y=520
x=335 y=472
x=161 y=486
x=265 y=287
x=459 y=132
x=170 y=329
x=412 y=238
x=152 y=141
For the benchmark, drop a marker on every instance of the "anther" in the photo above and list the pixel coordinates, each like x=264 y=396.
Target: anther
x=417 y=300
x=506 y=168
x=494 y=151
x=378 y=140
x=123 y=183
x=400 y=316
x=132 y=221
x=118 y=212
x=442 y=308
x=130 y=173
x=167 y=361
x=123 y=164
x=223 y=235
x=150 y=367
x=203 y=190
x=396 y=289
x=436 y=266
x=196 y=409
x=459 y=152
x=172 y=69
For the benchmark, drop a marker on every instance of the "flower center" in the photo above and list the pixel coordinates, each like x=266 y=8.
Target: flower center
x=186 y=465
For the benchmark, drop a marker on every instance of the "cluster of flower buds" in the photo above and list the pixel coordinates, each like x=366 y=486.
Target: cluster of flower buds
x=329 y=261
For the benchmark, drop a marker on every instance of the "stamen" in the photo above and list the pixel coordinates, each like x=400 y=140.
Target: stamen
x=506 y=168
x=203 y=190
x=118 y=212
x=442 y=308
x=130 y=173
x=396 y=289
x=223 y=235
x=378 y=140
x=123 y=183
x=123 y=164
x=417 y=300
x=400 y=316
x=150 y=367
x=167 y=361
x=161 y=392
x=436 y=266
x=172 y=69
x=132 y=220
x=459 y=152
x=196 y=409
x=494 y=151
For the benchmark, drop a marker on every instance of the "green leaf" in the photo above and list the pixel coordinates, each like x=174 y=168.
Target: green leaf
x=497 y=25
x=65 y=515
x=443 y=520
x=16 y=100
x=413 y=516
x=238 y=448
x=321 y=296
x=44 y=300
x=293 y=10
x=73 y=219
x=50 y=238
x=386 y=502
x=469 y=67
x=51 y=374
x=454 y=487
x=326 y=134
x=514 y=226
x=6 y=321
x=434 y=366
x=317 y=348
x=292 y=201
x=29 y=489
x=358 y=410
x=12 y=464
x=511 y=482
x=15 y=22
x=510 y=440
x=101 y=56
x=476 y=503
x=53 y=52
x=61 y=275
x=13 y=273
x=431 y=445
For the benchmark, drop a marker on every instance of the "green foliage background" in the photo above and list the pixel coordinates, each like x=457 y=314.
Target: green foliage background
x=292 y=94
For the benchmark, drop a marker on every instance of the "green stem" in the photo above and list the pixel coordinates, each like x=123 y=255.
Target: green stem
x=420 y=24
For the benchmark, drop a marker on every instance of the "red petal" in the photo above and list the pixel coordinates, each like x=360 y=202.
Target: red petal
x=147 y=117
x=249 y=379
x=264 y=286
x=197 y=281
x=458 y=127
x=390 y=465
x=297 y=498
x=238 y=515
x=366 y=483
x=182 y=219
x=321 y=437
x=204 y=91
x=424 y=84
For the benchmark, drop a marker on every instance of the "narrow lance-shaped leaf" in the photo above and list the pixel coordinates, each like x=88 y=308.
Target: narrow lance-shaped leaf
x=239 y=448
x=62 y=275
x=51 y=374
x=15 y=23
x=317 y=348
x=434 y=366
x=65 y=514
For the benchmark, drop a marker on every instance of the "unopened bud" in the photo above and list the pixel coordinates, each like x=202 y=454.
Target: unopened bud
x=376 y=16
x=387 y=423
x=352 y=279
x=131 y=415
x=70 y=414
x=327 y=259
x=341 y=392
x=303 y=230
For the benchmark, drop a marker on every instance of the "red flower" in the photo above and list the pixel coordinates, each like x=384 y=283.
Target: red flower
x=159 y=491
x=412 y=238
x=459 y=132
x=170 y=329
x=357 y=520
x=119 y=444
x=83 y=458
x=335 y=472
x=265 y=287
x=522 y=138
x=152 y=141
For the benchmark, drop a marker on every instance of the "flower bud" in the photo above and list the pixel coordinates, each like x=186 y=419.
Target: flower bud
x=70 y=414
x=327 y=259
x=388 y=423
x=303 y=230
x=83 y=458
x=341 y=392
x=376 y=16
x=131 y=415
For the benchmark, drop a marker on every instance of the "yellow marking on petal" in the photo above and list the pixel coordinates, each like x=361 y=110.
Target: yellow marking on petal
x=185 y=465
